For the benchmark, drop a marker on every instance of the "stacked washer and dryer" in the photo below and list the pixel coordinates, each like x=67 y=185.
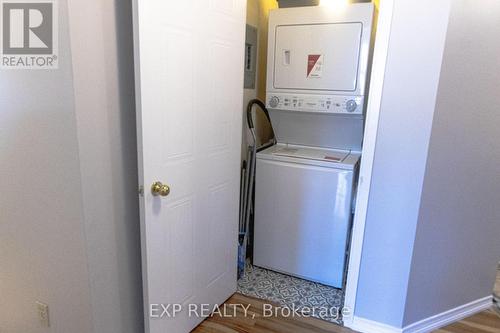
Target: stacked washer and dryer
x=305 y=184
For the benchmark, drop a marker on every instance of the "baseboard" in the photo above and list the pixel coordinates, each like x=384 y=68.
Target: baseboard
x=369 y=326
x=450 y=316
x=426 y=325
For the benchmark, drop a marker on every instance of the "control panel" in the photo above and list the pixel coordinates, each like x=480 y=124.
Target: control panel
x=335 y=104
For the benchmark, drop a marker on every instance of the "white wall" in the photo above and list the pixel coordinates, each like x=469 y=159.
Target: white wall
x=69 y=231
x=407 y=107
x=431 y=241
x=105 y=113
x=42 y=243
x=457 y=244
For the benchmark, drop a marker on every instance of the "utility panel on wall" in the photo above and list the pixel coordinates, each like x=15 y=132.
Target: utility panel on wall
x=250 y=57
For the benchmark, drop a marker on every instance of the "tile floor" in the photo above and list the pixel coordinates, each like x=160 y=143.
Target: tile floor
x=292 y=292
x=298 y=293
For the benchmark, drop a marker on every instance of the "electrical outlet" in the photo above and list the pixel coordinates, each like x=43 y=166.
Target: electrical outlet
x=43 y=313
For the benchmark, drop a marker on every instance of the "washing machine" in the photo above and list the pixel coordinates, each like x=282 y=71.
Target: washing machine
x=303 y=200
x=316 y=81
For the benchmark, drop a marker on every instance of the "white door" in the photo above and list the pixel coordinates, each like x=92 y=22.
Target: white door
x=189 y=79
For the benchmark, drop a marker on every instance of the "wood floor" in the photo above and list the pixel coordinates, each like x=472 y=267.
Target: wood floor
x=484 y=322
x=254 y=322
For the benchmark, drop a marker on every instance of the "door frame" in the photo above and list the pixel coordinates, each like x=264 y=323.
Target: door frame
x=368 y=154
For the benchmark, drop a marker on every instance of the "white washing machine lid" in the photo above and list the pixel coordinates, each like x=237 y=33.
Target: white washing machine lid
x=333 y=158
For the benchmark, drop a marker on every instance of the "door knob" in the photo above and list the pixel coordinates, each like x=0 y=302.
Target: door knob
x=160 y=189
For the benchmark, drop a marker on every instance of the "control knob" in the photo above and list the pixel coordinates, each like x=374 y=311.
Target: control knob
x=274 y=101
x=351 y=105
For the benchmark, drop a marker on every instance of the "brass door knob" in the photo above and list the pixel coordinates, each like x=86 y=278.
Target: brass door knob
x=160 y=189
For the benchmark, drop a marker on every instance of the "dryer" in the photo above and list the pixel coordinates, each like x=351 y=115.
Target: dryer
x=317 y=74
x=318 y=58
x=316 y=80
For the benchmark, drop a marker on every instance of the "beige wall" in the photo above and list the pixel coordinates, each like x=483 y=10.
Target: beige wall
x=253 y=13
x=257 y=16
x=263 y=130
x=264 y=7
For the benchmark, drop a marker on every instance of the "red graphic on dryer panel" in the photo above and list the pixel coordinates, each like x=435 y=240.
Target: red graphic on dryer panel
x=312 y=61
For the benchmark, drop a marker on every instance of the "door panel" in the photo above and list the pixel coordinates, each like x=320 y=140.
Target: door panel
x=189 y=79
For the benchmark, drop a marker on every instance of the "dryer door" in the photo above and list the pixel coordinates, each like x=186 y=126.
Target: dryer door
x=317 y=56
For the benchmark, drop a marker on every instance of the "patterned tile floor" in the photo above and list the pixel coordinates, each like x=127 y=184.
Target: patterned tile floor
x=293 y=293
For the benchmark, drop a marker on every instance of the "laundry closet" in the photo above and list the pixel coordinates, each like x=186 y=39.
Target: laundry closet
x=344 y=199
x=293 y=191
x=299 y=190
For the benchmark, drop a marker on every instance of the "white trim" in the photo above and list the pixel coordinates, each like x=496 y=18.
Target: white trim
x=368 y=326
x=445 y=318
x=368 y=153
x=426 y=325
